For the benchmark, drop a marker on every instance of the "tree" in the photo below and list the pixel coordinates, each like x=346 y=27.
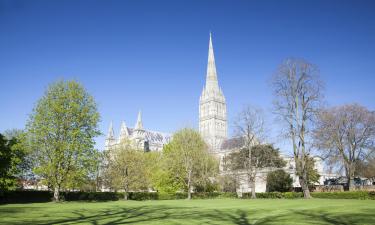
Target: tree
x=249 y=127
x=297 y=97
x=262 y=156
x=61 y=131
x=346 y=133
x=366 y=169
x=126 y=170
x=186 y=158
x=280 y=181
x=21 y=150
x=312 y=173
x=228 y=182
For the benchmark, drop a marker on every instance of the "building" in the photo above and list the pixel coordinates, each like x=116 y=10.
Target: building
x=213 y=123
x=213 y=127
x=139 y=137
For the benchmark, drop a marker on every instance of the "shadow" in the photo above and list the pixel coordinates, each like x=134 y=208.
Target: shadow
x=134 y=213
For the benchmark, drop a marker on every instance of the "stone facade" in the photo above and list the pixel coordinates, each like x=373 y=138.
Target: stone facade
x=139 y=138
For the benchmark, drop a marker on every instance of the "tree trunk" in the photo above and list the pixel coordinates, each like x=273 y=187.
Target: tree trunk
x=253 y=195
x=125 y=195
x=56 y=194
x=351 y=184
x=189 y=186
x=305 y=187
x=350 y=176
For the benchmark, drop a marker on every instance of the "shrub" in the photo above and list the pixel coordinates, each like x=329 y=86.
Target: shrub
x=279 y=181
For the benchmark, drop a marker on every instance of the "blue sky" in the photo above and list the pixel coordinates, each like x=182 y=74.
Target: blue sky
x=152 y=55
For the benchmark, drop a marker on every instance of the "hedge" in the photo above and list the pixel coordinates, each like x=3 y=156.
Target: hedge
x=25 y=196
x=275 y=195
x=345 y=195
x=328 y=195
x=46 y=196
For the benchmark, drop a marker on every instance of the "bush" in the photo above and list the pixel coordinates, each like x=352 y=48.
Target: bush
x=279 y=181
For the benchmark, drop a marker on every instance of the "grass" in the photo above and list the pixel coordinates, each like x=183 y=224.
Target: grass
x=217 y=211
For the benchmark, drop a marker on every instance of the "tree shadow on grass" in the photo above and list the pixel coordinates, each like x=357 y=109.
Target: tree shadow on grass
x=190 y=215
x=319 y=217
x=146 y=215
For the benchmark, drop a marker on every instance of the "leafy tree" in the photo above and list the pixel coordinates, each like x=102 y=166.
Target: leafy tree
x=279 y=180
x=12 y=160
x=61 y=130
x=262 y=156
x=127 y=170
x=312 y=173
x=187 y=160
x=21 y=148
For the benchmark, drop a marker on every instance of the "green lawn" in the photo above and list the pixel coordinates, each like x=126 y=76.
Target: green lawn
x=218 y=211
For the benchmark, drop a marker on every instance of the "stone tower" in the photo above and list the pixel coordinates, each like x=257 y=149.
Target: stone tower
x=212 y=107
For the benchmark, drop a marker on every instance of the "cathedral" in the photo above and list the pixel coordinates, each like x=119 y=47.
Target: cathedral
x=212 y=107
x=212 y=119
x=213 y=127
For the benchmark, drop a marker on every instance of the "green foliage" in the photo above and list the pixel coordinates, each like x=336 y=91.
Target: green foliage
x=186 y=163
x=312 y=173
x=261 y=156
x=345 y=195
x=127 y=169
x=12 y=160
x=61 y=130
x=279 y=181
x=46 y=196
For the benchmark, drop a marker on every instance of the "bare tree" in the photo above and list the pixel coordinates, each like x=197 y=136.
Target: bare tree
x=297 y=97
x=346 y=133
x=249 y=126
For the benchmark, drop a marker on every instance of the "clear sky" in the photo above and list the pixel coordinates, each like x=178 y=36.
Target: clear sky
x=152 y=55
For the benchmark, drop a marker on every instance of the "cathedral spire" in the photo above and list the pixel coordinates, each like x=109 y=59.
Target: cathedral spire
x=111 y=134
x=138 y=124
x=123 y=131
x=211 y=78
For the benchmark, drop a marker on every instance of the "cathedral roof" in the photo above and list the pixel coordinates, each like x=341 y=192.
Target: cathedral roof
x=154 y=136
x=233 y=143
